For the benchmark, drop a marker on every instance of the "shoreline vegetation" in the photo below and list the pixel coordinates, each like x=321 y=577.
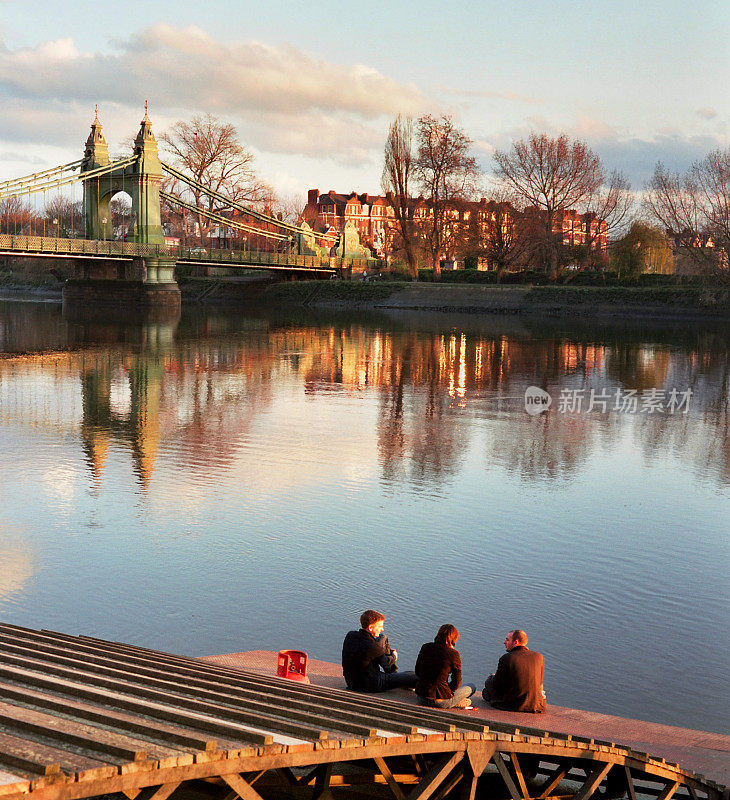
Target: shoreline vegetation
x=691 y=302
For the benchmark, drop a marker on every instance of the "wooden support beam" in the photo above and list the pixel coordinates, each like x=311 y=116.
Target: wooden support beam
x=390 y=780
x=669 y=790
x=499 y=762
x=322 y=782
x=469 y=786
x=432 y=780
x=288 y=775
x=452 y=781
x=479 y=754
x=630 y=788
x=165 y=790
x=240 y=787
x=593 y=781
x=553 y=780
x=517 y=769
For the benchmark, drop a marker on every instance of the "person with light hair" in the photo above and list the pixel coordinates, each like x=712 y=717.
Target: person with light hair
x=517 y=684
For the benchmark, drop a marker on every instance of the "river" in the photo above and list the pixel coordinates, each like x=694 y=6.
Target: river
x=254 y=480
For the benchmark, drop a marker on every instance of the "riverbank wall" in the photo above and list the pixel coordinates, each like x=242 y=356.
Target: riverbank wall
x=558 y=301
x=527 y=301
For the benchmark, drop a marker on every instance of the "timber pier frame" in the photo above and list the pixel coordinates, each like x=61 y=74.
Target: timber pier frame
x=82 y=717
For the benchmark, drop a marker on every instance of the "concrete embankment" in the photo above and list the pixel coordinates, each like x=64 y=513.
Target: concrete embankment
x=701 y=751
x=527 y=301
x=607 y=302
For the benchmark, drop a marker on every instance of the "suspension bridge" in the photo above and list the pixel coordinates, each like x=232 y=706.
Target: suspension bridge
x=107 y=263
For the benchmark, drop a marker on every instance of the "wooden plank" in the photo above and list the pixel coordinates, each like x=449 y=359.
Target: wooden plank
x=388 y=775
x=37 y=758
x=184 y=737
x=198 y=687
x=27 y=668
x=162 y=711
x=593 y=781
x=75 y=733
x=168 y=662
x=437 y=718
x=432 y=780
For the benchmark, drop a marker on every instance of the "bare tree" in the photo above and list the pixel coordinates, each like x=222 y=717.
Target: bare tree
x=551 y=174
x=447 y=174
x=610 y=207
x=63 y=217
x=695 y=209
x=288 y=207
x=17 y=217
x=500 y=234
x=210 y=152
x=398 y=170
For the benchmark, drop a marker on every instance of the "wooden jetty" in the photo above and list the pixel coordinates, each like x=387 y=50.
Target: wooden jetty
x=82 y=717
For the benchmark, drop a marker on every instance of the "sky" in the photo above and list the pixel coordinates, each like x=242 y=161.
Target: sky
x=311 y=88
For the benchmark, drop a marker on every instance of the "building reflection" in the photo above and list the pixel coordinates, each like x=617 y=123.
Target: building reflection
x=190 y=394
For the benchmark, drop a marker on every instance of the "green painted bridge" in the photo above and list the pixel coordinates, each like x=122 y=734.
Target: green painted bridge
x=145 y=271
x=126 y=251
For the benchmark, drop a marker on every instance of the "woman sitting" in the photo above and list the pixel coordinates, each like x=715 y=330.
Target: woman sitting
x=438 y=668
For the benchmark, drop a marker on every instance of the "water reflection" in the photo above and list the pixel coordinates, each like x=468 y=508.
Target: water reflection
x=197 y=386
x=171 y=481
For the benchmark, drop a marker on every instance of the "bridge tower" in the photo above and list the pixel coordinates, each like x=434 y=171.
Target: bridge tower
x=147 y=278
x=141 y=180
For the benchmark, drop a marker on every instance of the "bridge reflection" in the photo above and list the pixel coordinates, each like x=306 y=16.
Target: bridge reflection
x=193 y=388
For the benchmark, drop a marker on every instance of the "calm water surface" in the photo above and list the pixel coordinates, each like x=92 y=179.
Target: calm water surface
x=234 y=482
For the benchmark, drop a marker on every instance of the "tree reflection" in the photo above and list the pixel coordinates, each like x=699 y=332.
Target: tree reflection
x=192 y=392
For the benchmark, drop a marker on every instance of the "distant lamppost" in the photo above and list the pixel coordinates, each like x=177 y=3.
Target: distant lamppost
x=245 y=252
x=55 y=222
x=103 y=227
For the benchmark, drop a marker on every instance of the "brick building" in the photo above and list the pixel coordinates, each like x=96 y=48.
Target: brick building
x=374 y=218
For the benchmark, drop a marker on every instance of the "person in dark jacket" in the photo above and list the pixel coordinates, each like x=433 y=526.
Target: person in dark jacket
x=518 y=683
x=368 y=663
x=439 y=672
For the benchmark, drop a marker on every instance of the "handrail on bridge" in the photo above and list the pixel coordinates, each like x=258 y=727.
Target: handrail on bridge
x=56 y=246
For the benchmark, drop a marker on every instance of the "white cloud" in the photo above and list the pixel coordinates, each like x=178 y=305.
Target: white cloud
x=706 y=113
x=282 y=99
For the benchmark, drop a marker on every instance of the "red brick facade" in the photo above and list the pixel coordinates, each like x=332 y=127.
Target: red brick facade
x=374 y=218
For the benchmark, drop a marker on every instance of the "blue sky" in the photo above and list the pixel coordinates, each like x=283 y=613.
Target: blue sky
x=311 y=88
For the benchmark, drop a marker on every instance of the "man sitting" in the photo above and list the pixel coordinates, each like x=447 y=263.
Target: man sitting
x=368 y=663
x=517 y=684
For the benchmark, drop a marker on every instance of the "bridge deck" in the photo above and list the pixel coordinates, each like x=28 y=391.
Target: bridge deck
x=82 y=717
x=96 y=248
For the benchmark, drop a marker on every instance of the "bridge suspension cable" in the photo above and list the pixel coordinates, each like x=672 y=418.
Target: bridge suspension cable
x=34 y=177
x=221 y=219
x=56 y=183
x=176 y=173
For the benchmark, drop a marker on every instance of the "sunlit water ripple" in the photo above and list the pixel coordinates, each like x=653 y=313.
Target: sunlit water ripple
x=229 y=482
